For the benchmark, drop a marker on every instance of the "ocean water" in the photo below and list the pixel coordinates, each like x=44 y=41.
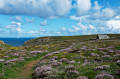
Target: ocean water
x=15 y=41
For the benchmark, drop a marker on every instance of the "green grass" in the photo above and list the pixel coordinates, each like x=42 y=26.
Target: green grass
x=60 y=42
x=58 y=39
x=13 y=71
x=88 y=70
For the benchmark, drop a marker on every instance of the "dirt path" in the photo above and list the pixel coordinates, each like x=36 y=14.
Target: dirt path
x=26 y=71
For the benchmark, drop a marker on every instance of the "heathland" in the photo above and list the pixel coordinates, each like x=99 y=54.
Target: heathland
x=62 y=57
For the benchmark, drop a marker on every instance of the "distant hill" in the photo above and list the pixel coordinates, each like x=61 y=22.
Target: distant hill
x=58 y=39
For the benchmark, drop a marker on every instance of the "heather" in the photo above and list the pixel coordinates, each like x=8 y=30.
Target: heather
x=83 y=60
x=12 y=59
x=76 y=57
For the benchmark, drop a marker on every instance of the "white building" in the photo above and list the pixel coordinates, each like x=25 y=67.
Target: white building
x=103 y=37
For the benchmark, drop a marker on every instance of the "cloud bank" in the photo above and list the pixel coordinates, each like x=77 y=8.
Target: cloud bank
x=83 y=6
x=40 y=8
x=91 y=18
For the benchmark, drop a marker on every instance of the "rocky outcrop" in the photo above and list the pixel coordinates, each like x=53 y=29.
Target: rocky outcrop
x=1 y=42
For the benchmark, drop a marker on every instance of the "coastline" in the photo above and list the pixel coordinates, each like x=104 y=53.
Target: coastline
x=15 y=41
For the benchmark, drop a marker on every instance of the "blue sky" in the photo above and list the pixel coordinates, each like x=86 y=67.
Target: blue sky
x=36 y=18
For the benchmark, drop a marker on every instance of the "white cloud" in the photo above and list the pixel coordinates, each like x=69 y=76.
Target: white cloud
x=91 y=27
x=82 y=26
x=14 y=27
x=71 y=30
x=79 y=18
x=113 y=24
x=44 y=23
x=1 y=3
x=117 y=17
x=101 y=27
x=2 y=29
x=19 y=29
x=76 y=28
x=59 y=33
x=42 y=30
x=63 y=29
x=62 y=7
x=83 y=6
x=103 y=23
x=16 y=18
x=108 y=13
x=85 y=11
x=40 y=8
x=33 y=32
x=30 y=20
x=104 y=14
x=96 y=6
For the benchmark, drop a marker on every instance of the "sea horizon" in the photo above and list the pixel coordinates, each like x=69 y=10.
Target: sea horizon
x=15 y=41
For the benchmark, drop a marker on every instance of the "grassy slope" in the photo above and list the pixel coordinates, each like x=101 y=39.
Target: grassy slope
x=86 y=55
x=57 y=39
x=53 y=44
x=13 y=69
x=20 y=71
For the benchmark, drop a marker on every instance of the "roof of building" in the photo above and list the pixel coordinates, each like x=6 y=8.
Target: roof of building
x=102 y=36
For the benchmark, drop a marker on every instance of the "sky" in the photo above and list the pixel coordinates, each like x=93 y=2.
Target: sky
x=37 y=18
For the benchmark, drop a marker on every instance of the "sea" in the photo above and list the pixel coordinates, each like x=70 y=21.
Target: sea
x=15 y=41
